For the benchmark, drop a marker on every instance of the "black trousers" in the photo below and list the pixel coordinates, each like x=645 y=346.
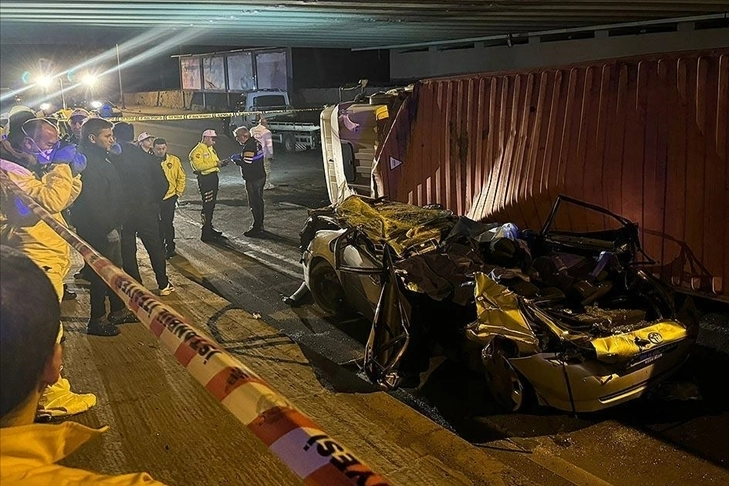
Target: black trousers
x=254 y=189
x=145 y=224
x=208 y=186
x=98 y=290
x=166 y=223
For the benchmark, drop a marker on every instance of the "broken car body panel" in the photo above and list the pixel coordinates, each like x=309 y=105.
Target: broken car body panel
x=569 y=315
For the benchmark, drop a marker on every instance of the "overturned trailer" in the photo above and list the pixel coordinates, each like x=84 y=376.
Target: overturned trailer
x=643 y=137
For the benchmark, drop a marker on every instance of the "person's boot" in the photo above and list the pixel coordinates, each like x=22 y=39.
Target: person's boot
x=254 y=232
x=171 y=252
x=101 y=327
x=124 y=316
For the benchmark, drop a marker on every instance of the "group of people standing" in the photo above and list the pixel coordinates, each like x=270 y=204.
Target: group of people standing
x=254 y=161
x=113 y=188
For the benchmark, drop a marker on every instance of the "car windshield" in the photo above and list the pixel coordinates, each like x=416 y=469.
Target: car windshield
x=269 y=101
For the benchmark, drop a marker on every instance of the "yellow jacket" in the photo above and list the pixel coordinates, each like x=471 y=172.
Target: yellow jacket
x=28 y=456
x=204 y=159
x=24 y=231
x=175 y=174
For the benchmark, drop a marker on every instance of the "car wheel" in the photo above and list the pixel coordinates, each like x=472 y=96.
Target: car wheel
x=326 y=289
x=511 y=392
x=289 y=142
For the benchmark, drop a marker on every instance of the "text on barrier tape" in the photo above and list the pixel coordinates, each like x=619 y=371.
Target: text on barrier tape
x=203 y=116
x=299 y=442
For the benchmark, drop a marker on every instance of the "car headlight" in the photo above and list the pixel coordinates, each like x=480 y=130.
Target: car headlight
x=96 y=104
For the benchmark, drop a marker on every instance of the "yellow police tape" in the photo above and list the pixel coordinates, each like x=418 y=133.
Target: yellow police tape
x=299 y=442
x=60 y=115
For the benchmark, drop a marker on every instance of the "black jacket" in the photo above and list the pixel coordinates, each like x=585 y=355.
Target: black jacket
x=142 y=177
x=100 y=207
x=251 y=161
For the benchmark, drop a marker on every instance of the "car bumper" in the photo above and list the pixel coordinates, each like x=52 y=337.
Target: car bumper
x=594 y=386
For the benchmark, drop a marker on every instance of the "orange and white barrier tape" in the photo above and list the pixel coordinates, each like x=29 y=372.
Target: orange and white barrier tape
x=299 y=442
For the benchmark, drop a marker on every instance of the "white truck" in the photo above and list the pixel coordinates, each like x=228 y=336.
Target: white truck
x=296 y=130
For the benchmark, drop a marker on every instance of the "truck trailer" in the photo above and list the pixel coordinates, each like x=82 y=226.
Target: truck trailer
x=643 y=137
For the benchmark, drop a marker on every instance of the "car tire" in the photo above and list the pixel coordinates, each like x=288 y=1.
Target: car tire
x=508 y=388
x=326 y=289
x=289 y=142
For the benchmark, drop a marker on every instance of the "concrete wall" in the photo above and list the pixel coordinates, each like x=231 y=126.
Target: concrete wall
x=169 y=99
x=537 y=53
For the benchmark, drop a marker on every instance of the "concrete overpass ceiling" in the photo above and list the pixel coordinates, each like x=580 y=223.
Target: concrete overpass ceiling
x=321 y=23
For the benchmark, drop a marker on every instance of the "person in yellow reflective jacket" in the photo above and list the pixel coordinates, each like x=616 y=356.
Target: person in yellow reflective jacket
x=175 y=175
x=32 y=159
x=206 y=166
x=30 y=360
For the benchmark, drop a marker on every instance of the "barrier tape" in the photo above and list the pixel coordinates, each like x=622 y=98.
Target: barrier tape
x=299 y=442
x=203 y=116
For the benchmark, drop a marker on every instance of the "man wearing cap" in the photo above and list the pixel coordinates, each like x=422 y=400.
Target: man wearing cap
x=144 y=141
x=75 y=121
x=206 y=166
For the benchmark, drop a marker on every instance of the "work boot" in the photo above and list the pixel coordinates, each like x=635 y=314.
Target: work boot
x=124 y=316
x=101 y=327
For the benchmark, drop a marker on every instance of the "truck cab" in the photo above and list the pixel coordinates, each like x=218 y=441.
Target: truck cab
x=260 y=103
x=296 y=131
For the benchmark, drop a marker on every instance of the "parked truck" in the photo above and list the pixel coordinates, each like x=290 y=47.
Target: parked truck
x=644 y=137
x=295 y=130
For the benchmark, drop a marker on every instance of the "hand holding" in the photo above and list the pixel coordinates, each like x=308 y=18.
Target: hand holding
x=237 y=159
x=71 y=156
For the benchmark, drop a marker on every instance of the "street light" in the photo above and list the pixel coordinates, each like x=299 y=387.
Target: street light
x=45 y=81
x=89 y=80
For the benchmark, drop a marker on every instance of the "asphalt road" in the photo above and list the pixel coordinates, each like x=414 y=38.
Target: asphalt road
x=676 y=437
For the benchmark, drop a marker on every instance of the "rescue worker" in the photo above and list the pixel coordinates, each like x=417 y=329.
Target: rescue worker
x=250 y=161
x=206 y=166
x=31 y=359
x=177 y=181
x=261 y=133
x=48 y=173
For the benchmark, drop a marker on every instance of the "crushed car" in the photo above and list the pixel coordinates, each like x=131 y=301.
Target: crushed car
x=557 y=318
